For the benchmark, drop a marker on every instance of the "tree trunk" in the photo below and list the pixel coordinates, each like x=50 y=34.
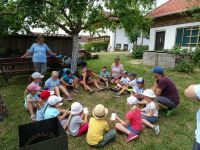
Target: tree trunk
x=75 y=51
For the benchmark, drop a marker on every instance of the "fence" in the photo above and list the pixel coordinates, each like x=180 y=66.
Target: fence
x=18 y=44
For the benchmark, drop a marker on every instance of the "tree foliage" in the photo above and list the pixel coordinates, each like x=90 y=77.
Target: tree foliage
x=74 y=16
x=11 y=19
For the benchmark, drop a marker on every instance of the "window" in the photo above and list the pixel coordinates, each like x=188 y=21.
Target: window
x=188 y=37
x=118 y=46
x=125 y=47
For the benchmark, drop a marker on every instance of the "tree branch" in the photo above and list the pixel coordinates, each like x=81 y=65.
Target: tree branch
x=63 y=27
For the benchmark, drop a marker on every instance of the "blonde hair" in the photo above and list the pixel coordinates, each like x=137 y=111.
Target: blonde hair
x=54 y=74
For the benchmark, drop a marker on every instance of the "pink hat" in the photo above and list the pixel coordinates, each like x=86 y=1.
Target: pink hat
x=33 y=87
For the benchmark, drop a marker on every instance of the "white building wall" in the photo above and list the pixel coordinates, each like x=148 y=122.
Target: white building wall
x=121 y=38
x=170 y=34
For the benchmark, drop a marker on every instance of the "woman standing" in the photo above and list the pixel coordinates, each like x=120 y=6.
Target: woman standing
x=39 y=51
x=116 y=70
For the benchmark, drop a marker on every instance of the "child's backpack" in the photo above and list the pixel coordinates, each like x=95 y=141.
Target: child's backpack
x=3 y=110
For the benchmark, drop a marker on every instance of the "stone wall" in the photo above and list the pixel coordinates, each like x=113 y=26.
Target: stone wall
x=164 y=60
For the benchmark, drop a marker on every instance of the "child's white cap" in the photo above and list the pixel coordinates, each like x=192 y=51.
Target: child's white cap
x=53 y=100
x=132 y=100
x=37 y=75
x=76 y=108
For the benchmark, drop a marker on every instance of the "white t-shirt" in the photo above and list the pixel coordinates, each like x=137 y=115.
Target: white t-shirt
x=133 y=83
x=116 y=70
x=152 y=106
x=124 y=80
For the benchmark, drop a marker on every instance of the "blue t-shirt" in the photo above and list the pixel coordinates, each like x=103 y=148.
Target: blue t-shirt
x=197 y=132
x=104 y=75
x=51 y=83
x=39 y=52
x=51 y=112
x=40 y=112
x=69 y=79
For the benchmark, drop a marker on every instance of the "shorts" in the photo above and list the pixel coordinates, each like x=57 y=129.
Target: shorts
x=197 y=90
x=152 y=119
x=133 y=130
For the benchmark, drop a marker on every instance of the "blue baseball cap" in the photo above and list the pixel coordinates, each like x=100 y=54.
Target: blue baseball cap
x=158 y=70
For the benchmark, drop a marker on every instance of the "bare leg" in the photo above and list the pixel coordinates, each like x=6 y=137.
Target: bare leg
x=121 y=128
x=57 y=91
x=64 y=90
x=147 y=123
x=86 y=87
x=107 y=84
x=30 y=108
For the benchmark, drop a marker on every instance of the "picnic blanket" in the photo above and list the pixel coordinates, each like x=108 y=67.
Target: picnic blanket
x=3 y=110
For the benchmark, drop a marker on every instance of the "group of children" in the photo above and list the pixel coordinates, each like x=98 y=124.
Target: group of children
x=48 y=102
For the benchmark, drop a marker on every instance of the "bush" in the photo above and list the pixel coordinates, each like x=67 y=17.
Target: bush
x=179 y=51
x=96 y=46
x=184 y=66
x=139 y=50
x=196 y=57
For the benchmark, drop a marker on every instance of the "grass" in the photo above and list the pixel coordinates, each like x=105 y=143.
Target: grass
x=177 y=131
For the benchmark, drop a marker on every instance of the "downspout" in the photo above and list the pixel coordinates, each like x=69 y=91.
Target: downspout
x=115 y=40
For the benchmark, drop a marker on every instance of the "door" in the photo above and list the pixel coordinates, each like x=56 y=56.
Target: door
x=160 y=39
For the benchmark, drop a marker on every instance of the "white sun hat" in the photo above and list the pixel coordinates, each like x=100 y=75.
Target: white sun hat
x=149 y=93
x=76 y=108
x=53 y=100
x=132 y=100
x=37 y=75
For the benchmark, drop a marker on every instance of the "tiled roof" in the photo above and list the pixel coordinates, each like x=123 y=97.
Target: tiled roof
x=173 y=7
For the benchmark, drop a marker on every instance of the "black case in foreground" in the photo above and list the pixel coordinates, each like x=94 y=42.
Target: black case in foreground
x=43 y=135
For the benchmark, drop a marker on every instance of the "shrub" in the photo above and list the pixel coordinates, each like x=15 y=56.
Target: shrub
x=184 y=66
x=196 y=57
x=139 y=50
x=179 y=51
x=96 y=46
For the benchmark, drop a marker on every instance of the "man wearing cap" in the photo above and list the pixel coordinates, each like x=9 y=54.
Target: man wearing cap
x=165 y=90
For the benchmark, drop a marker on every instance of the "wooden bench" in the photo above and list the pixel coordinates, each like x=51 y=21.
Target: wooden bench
x=12 y=66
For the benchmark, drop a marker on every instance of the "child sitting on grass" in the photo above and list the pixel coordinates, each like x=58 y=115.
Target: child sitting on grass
x=98 y=132
x=123 y=81
x=78 y=124
x=70 y=81
x=53 y=84
x=127 y=87
x=150 y=112
x=105 y=75
x=137 y=91
x=34 y=79
x=31 y=99
x=133 y=121
x=42 y=105
x=53 y=110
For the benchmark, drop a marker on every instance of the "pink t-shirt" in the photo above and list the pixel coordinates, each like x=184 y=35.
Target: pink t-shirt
x=135 y=119
x=116 y=70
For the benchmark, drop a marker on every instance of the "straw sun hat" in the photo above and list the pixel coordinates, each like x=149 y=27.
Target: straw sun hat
x=99 y=111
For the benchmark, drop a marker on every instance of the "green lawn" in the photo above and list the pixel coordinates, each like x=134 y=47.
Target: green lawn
x=177 y=131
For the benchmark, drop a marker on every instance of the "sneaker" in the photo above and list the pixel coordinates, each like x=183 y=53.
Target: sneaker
x=131 y=137
x=156 y=129
x=69 y=98
x=92 y=91
x=76 y=91
x=169 y=112
x=100 y=89
x=113 y=89
x=117 y=95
